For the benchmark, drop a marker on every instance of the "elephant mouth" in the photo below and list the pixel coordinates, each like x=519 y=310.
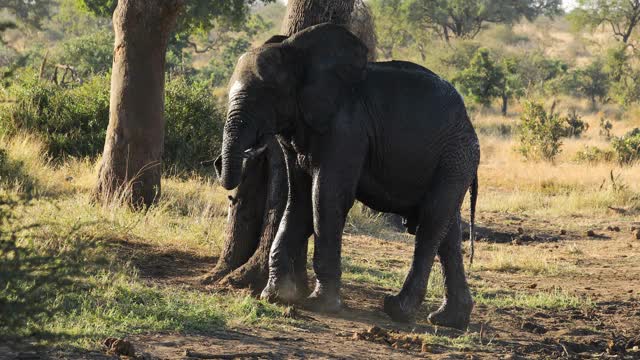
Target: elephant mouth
x=250 y=153
x=255 y=151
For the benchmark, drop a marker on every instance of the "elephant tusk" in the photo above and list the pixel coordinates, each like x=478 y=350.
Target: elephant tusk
x=252 y=153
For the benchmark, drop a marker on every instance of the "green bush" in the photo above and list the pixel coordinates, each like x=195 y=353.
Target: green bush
x=73 y=120
x=627 y=147
x=88 y=54
x=575 y=126
x=605 y=128
x=540 y=132
x=194 y=123
x=593 y=154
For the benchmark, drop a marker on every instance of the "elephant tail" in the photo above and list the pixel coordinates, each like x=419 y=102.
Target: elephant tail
x=473 y=192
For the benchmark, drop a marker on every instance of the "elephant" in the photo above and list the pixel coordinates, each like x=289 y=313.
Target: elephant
x=393 y=135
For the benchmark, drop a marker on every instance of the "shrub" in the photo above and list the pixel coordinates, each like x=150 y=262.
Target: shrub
x=594 y=154
x=627 y=147
x=605 y=128
x=539 y=132
x=575 y=126
x=88 y=54
x=194 y=123
x=73 y=121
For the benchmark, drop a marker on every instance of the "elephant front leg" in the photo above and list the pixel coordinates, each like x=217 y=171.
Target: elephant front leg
x=333 y=196
x=456 y=308
x=288 y=251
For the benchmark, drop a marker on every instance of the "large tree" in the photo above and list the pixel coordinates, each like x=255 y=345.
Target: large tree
x=256 y=206
x=465 y=18
x=132 y=160
x=621 y=17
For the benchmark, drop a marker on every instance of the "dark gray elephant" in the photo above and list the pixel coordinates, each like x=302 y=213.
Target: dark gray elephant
x=392 y=134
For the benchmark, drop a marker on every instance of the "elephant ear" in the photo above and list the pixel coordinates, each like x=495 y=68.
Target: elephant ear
x=333 y=61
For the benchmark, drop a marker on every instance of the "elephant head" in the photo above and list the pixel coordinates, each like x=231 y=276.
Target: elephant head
x=285 y=83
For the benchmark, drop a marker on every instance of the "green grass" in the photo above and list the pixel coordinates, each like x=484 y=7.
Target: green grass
x=550 y=300
x=63 y=276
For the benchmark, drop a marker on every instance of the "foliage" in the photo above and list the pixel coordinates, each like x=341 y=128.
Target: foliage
x=625 y=79
x=483 y=79
x=88 y=54
x=194 y=123
x=228 y=45
x=391 y=25
x=513 y=85
x=593 y=154
x=575 y=126
x=620 y=16
x=73 y=120
x=540 y=132
x=605 y=128
x=627 y=147
x=487 y=78
x=591 y=82
x=465 y=18
x=30 y=13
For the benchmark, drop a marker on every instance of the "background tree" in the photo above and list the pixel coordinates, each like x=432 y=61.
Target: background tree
x=392 y=33
x=620 y=16
x=132 y=158
x=591 y=82
x=465 y=18
x=483 y=80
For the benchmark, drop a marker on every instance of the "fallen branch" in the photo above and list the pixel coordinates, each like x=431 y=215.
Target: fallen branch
x=200 y=355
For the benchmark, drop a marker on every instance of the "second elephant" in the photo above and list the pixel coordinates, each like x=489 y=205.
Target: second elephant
x=393 y=135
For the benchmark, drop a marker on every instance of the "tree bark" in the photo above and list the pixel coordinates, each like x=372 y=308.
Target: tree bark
x=132 y=159
x=302 y=14
x=505 y=105
x=260 y=199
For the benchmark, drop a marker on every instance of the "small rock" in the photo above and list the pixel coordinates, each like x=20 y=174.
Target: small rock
x=563 y=232
x=520 y=230
x=533 y=286
x=374 y=330
x=533 y=328
x=119 y=347
x=290 y=312
x=591 y=233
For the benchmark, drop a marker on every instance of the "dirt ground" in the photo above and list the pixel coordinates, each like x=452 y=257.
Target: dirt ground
x=606 y=270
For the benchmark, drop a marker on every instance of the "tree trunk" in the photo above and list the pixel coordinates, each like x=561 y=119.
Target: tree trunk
x=132 y=160
x=302 y=14
x=260 y=199
x=505 y=105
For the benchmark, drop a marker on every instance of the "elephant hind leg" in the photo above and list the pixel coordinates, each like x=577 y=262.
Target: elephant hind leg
x=442 y=204
x=444 y=201
x=456 y=308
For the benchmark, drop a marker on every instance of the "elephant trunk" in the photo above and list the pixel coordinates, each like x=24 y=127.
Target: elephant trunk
x=240 y=134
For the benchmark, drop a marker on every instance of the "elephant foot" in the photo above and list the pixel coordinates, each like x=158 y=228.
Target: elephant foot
x=282 y=291
x=453 y=315
x=324 y=299
x=397 y=310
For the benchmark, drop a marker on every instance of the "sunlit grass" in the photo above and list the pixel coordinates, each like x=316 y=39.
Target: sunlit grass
x=550 y=300
x=529 y=261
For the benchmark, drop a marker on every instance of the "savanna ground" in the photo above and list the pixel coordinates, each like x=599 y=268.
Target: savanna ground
x=556 y=271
